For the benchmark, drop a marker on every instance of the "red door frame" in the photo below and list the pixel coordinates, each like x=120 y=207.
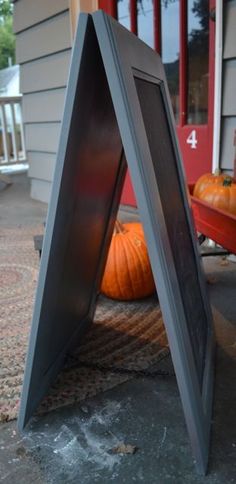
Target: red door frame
x=196 y=160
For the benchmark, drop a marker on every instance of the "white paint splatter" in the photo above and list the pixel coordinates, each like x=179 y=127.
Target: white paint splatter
x=98 y=450
x=164 y=437
x=89 y=444
x=162 y=441
x=81 y=442
x=72 y=452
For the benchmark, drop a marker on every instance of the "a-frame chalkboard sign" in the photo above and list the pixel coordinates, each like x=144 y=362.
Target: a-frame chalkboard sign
x=117 y=102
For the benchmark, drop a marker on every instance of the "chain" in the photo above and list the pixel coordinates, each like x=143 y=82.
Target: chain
x=73 y=362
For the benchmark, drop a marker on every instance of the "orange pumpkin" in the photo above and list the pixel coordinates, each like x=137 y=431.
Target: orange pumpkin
x=221 y=196
x=128 y=273
x=208 y=179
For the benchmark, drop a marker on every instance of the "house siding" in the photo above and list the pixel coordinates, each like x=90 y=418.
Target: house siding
x=39 y=74
x=42 y=137
x=53 y=35
x=41 y=165
x=44 y=31
x=28 y=13
x=43 y=50
x=44 y=106
x=228 y=112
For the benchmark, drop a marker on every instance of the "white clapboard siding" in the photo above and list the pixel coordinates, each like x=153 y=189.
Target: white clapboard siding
x=229 y=50
x=42 y=137
x=45 y=73
x=228 y=112
x=43 y=39
x=43 y=50
x=229 y=88
x=31 y=12
x=40 y=190
x=43 y=106
x=41 y=165
x=227 y=143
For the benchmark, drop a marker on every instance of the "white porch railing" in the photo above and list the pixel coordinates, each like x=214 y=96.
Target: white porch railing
x=12 y=140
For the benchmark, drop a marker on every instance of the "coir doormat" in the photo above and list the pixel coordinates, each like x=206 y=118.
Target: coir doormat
x=125 y=338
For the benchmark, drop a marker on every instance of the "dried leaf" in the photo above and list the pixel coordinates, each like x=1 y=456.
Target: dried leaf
x=4 y=417
x=211 y=280
x=21 y=451
x=124 y=449
x=224 y=262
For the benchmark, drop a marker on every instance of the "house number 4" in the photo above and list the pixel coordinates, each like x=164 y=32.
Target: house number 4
x=192 y=139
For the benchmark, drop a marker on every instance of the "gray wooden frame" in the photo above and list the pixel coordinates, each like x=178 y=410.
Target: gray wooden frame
x=124 y=58
x=88 y=179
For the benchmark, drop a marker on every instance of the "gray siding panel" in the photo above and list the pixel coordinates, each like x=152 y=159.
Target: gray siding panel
x=228 y=113
x=42 y=137
x=40 y=190
x=45 y=73
x=227 y=144
x=230 y=29
x=41 y=165
x=43 y=50
x=30 y=12
x=43 y=106
x=229 y=88
x=43 y=39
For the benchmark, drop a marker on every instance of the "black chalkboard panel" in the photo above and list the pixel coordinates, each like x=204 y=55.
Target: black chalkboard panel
x=167 y=178
x=88 y=180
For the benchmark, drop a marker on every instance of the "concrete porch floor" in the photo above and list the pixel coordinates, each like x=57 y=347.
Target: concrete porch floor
x=72 y=444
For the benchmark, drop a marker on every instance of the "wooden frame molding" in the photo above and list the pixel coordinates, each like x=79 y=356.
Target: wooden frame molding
x=77 y=6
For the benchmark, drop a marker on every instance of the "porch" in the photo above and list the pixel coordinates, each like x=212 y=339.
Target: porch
x=145 y=412
x=12 y=140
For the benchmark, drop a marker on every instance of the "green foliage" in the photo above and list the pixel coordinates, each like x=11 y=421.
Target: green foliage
x=5 y=10
x=7 y=38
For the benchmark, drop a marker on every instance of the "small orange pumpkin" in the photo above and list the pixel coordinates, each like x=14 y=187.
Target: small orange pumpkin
x=208 y=179
x=128 y=273
x=221 y=196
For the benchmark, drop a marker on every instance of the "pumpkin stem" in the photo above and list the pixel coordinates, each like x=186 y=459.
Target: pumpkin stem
x=119 y=228
x=227 y=182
